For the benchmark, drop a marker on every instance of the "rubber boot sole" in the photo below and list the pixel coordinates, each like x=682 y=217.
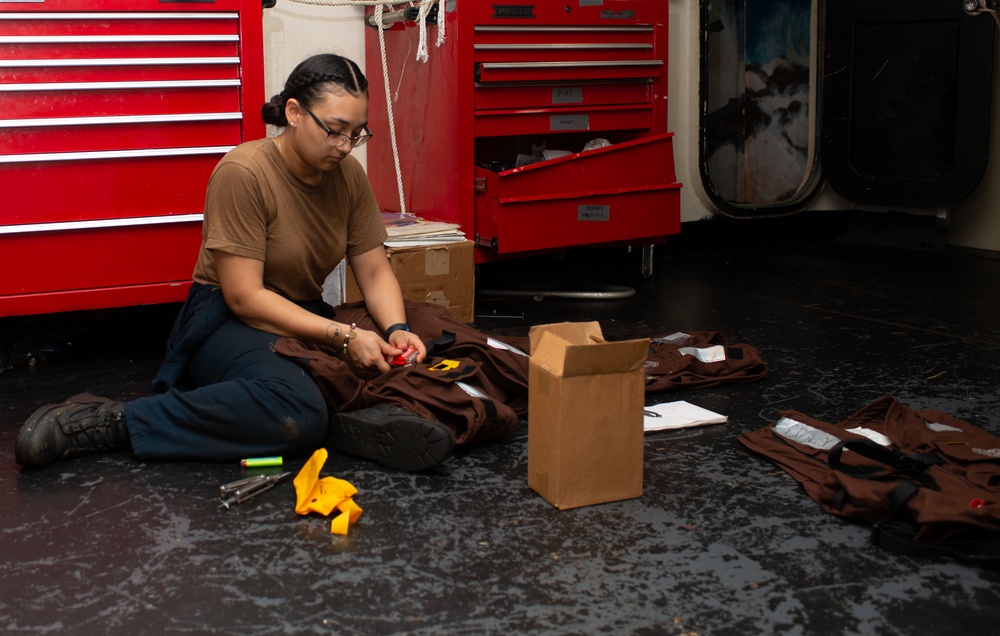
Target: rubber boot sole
x=396 y=439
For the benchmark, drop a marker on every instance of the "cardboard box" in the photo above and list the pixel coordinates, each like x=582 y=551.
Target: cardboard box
x=441 y=274
x=585 y=402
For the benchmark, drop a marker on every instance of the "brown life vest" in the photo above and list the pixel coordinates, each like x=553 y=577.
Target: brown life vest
x=698 y=360
x=928 y=482
x=474 y=384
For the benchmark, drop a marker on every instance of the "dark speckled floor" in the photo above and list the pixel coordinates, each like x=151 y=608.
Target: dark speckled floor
x=720 y=543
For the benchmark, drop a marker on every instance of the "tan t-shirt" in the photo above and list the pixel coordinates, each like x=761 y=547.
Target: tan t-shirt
x=256 y=207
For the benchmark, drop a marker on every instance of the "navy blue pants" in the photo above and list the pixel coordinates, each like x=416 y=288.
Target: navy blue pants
x=244 y=400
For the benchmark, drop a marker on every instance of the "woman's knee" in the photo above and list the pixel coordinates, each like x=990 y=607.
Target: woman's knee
x=305 y=416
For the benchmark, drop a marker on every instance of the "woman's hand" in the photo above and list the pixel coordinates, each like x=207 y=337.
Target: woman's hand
x=403 y=340
x=367 y=349
x=384 y=300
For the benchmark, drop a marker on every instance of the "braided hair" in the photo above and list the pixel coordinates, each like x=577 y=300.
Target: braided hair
x=306 y=84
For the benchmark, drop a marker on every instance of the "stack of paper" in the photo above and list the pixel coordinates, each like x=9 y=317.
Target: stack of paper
x=673 y=415
x=408 y=230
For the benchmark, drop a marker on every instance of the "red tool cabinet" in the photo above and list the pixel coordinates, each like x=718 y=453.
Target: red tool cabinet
x=113 y=113
x=512 y=76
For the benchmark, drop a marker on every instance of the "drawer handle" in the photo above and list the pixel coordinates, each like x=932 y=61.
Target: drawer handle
x=118 y=61
x=567 y=29
x=96 y=155
x=100 y=224
x=104 y=120
x=115 y=86
x=119 y=15
x=582 y=45
x=114 y=39
x=584 y=64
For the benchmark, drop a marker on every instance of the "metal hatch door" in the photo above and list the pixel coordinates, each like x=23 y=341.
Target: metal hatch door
x=905 y=101
x=758 y=103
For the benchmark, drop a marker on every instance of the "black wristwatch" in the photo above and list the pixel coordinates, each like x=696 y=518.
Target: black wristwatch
x=396 y=327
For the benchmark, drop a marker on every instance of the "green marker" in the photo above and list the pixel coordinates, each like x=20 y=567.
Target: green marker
x=256 y=462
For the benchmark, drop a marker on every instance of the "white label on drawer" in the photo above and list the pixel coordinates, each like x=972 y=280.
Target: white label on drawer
x=567 y=95
x=593 y=213
x=591 y=3
x=569 y=122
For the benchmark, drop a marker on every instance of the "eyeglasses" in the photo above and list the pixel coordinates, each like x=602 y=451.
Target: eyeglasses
x=337 y=139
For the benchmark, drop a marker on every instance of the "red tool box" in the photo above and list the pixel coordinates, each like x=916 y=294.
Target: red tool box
x=113 y=113
x=515 y=77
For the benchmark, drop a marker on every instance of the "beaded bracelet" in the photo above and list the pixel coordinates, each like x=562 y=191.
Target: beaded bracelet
x=350 y=335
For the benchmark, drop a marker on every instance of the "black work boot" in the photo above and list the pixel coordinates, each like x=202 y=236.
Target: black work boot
x=391 y=436
x=82 y=425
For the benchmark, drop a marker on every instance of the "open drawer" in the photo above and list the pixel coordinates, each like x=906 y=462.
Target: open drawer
x=637 y=163
x=525 y=224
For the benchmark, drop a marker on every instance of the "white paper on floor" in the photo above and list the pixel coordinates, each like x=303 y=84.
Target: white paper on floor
x=680 y=414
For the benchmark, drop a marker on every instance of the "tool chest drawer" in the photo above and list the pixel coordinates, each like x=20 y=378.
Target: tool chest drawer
x=619 y=53
x=559 y=94
x=113 y=114
x=555 y=221
x=67 y=192
x=97 y=257
x=609 y=194
x=581 y=71
x=631 y=164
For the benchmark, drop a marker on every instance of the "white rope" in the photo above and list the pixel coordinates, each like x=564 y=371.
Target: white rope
x=388 y=110
x=424 y=7
x=422 y=29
